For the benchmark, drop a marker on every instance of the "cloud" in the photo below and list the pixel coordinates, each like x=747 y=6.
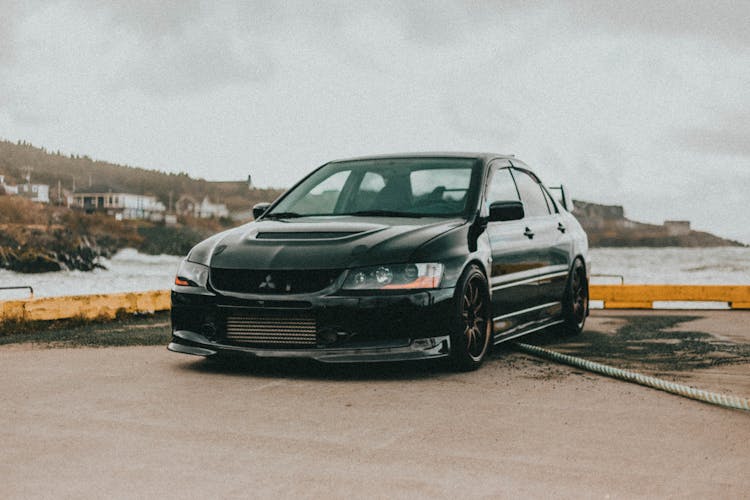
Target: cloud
x=196 y=63
x=719 y=20
x=148 y=18
x=727 y=134
x=177 y=46
x=6 y=32
x=716 y=141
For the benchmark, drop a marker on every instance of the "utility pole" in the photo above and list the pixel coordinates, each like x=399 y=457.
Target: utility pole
x=59 y=192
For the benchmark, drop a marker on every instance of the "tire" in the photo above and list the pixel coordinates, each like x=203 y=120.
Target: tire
x=472 y=331
x=575 y=300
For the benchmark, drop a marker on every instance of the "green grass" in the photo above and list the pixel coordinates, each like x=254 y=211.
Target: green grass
x=122 y=331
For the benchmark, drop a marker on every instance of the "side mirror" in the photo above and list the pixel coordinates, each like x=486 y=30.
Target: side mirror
x=506 y=210
x=259 y=209
x=563 y=195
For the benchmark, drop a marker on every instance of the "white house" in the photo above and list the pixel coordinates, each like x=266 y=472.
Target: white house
x=187 y=205
x=208 y=210
x=35 y=192
x=123 y=205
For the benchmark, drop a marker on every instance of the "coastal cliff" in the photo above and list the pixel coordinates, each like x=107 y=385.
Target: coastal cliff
x=607 y=226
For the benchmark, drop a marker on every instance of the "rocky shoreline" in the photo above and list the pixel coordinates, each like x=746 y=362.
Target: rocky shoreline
x=31 y=250
x=34 y=260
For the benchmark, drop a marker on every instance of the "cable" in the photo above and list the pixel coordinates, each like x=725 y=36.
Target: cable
x=724 y=400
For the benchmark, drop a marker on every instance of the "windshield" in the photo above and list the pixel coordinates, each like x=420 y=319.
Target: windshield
x=407 y=187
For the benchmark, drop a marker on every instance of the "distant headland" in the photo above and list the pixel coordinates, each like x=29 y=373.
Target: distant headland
x=607 y=226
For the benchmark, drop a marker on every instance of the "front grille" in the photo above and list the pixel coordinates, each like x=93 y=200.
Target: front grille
x=265 y=330
x=272 y=282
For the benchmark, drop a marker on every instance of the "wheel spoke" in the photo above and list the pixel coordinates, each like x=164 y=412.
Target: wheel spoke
x=480 y=338
x=469 y=338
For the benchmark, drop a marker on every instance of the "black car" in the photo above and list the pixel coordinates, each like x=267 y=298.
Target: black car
x=388 y=258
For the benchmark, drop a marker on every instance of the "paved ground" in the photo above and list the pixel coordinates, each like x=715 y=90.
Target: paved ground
x=133 y=422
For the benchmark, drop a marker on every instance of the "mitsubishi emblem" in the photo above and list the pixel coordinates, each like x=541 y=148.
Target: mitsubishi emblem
x=268 y=283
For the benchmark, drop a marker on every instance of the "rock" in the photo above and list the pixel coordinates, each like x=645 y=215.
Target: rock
x=31 y=261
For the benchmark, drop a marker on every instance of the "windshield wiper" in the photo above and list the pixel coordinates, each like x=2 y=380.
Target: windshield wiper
x=283 y=215
x=385 y=213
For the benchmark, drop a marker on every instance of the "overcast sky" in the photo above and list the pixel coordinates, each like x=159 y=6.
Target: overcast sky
x=639 y=103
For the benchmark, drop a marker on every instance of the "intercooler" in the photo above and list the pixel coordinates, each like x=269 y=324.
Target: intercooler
x=265 y=330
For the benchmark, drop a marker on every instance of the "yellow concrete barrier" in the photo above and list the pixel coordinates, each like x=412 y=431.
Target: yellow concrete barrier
x=84 y=306
x=644 y=296
x=108 y=305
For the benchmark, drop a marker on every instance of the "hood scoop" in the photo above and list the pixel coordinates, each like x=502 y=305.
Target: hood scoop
x=304 y=235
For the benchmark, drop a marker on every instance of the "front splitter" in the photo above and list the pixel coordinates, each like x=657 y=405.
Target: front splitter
x=188 y=342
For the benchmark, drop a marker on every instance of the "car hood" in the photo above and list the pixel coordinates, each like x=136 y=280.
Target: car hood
x=320 y=242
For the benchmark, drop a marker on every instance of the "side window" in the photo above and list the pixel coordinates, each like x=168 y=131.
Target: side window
x=534 y=203
x=550 y=202
x=502 y=187
x=451 y=185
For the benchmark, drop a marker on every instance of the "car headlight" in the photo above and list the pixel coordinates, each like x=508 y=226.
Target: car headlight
x=395 y=277
x=191 y=274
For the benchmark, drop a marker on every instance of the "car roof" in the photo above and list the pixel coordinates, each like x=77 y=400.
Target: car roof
x=437 y=154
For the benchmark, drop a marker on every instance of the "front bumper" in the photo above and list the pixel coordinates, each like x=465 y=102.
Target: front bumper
x=370 y=328
x=188 y=342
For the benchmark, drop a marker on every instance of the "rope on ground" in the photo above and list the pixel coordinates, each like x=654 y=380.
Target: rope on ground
x=724 y=400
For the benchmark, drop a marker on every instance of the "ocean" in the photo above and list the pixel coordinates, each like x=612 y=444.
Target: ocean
x=130 y=271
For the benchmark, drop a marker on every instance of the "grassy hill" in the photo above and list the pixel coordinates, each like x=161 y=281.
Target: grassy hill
x=49 y=167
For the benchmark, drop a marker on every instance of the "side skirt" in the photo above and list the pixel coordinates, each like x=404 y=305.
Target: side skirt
x=512 y=335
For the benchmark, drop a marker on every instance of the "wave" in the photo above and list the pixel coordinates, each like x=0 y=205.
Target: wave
x=131 y=255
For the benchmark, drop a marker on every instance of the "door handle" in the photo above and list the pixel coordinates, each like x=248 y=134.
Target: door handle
x=529 y=233
x=560 y=227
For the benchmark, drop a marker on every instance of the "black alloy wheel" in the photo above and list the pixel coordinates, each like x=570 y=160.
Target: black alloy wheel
x=471 y=338
x=576 y=300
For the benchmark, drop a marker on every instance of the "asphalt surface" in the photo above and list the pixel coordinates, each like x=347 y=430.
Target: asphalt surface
x=140 y=422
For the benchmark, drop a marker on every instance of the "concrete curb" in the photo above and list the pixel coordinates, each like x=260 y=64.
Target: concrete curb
x=104 y=306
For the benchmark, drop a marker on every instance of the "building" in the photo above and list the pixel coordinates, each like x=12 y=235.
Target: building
x=209 y=210
x=6 y=189
x=205 y=209
x=123 y=205
x=38 y=193
x=600 y=216
x=186 y=205
x=677 y=227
